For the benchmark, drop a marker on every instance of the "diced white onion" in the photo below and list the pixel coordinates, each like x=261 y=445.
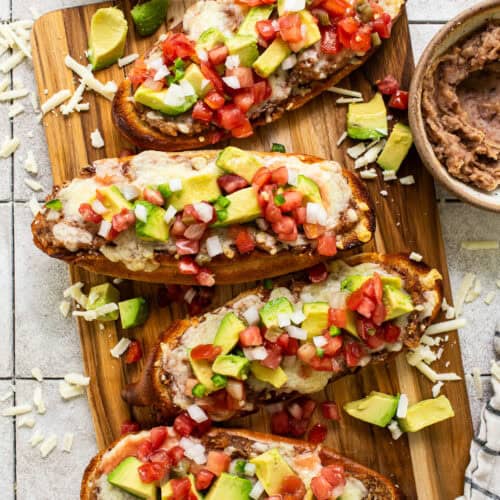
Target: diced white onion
x=214 y=246
x=320 y=341
x=255 y=353
x=120 y=347
x=141 y=213
x=203 y=55
x=232 y=82
x=232 y=61
x=296 y=333
x=175 y=185
x=316 y=214
x=169 y=214
x=292 y=177
x=104 y=228
x=402 y=406
x=190 y=295
x=155 y=63
x=193 y=450
x=446 y=326
x=249 y=469
x=257 y=490
x=187 y=88
x=283 y=320
x=294 y=5
x=416 y=257
x=289 y=62
x=98 y=207
x=197 y=414
x=130 y=192
x=162 y=72
x=407 y=181
x=251 y=315
x=204 y=211
x=174 y=96
x=77 y=379
x=395 y=430
x=297 y=317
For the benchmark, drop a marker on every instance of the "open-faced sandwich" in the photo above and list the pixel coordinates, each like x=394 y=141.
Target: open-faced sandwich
x=205 y=217
x=170 y=463
x=234 y=66
x=270 y=345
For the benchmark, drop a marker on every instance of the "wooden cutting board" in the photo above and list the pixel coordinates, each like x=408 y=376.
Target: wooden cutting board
x=427 y=465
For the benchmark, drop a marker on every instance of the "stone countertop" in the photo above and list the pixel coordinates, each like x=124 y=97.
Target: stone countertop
x=33 y=333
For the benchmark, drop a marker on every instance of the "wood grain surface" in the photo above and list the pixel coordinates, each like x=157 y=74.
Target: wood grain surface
x=427 y=465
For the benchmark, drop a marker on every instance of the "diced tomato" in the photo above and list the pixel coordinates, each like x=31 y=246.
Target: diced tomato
x=188 y=266
x=128 y=427
x=388 y=85
x=244 y=99
x=337 y=317
x=139 y=73
x=204 y=479
x=205 y=277
x=280 y=422
x=375 y=341
x=175 y=454
x=154 y=85
x=353 y=353
x=317 y=434
x=244 y=75
x=308 y=407
x=230 y=117
x=306 y=353
x=218 y=55
x=378 y=289
x=161 y=457
x=187 y=247
x=327 y=244
x=214 y=100
x=382 y=24
x=317 y=273
x=346 y=29
x=290 y=28
x=366 y=307
x=362 y=39
x=261 y=91
x=298 y=427
x=158 y=436
x=336 y=7
x=243 y=130
x=330 y=410
x=272 y=213
x=399 y=100
x=124 y=220
x=134 y=352
x=178 y=227
x=245 y=242
x=285 y=225
x=210 y=74
x=181 y=488
x=265 y=29
x=290 y=346
x=153 y=196
x=177 y=45
x=293 y=200
x=321 y=488
x=330 y=40
x=229 y=183
x=88 y=213
x=313 y=231
x=262 y=177
x=195 y=231
x=378 y=314
x=151 y=472
x=144 y=450
x=202 y=112
x=292 y=486
x=334 y=345
x=299 y=215
x=280 y=176
x=202 y=428
x=205 y=351
x=334 y=474
x=391 y=333
x=274 y=356
x=364 y=328
x=218 y=462
x=184 y=425
x=251 y=336
x=354 y=299
x=323 y=364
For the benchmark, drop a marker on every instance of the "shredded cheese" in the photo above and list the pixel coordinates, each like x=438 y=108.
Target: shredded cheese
x=12 y=62
x=36 y=438
x=124 y=61
x=446 y=326
x=478 y=383
x=6 y=395
x=416 y=257
x=342 y=138
x=490 y=297
x=38 y=400
x=48 y=446
x=346 y=92
x=70 y=107
x=34 y=102
x=463 y=290
x=94 y=314
x=33 y=185
x=55 y=100
x=474 y=292
x=370 y=173
x=9 y=147
x=349 y=100
x=389 y=175
x=15 y=110
x=68 y=442
x=407 y=181
x=11 y=95
x=120 y=348
x=37 y=374
x=34 y=206
x=480 y=245
x=68 y=391
x=13 y=411
x=436 y=388
x=77 y=379
x=30 y=164
x=75 y=292
x=28 y=421
x=395 y=430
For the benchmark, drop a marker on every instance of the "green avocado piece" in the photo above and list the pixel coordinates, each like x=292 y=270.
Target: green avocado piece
x=231 y=365
x=101 y=295
x=309 y=189
x=230 y=487
x=316 y=321
x=255 y=14
x=239 y=162
x=425 y=413
x=351 y=323
x=396 y=148
x=377 y=408
x=228 y=333
x=270 y=60
x=271 y=469
x=243 y=207
x=245 y=47
x=269 y=313
x=396 y=301
x=126 y=477
x=199 y=83
x=113 y=199
x=162 y=100
x=210 y=38
x=133 y=312
x=276 y=377
x=311 y=31
x=367 y=120
x=196 y=188
x=167 y=492
x=149 y=16
x=203 y=372
x=155 y=228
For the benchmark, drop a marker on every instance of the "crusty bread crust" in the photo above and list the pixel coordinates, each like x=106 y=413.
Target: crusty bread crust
x=150 y=390
x=379 y=487
x=240 y=269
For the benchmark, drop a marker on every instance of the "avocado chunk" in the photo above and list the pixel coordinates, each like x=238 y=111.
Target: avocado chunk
x=316 y=321
x=155 y=228
x=231 y=365
x=195 y=77
x=245 y=47
x=167 y=492
x=270 y=60
x=228 y=333
x=243 y=207
x=133 y=312
x=311 y=33
x=269 y=313
x=126 y=477
x=396 y=301
x=199 y=187
x=170 y=101
x=309 y=189
x=350 y=325
x=277 y=378
x=396 y=148
x=112 y=198
x=149 y=16
x=255 y=14
x=210 y=38
x=425 y=413
x=230 y=487
x=239 y=162
x=377 y=408
x=367 y=120
x=101 y=295
x=271 y=469
x=203 y=372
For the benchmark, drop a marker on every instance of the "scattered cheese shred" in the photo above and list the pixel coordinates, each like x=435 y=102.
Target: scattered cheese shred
x=75 y=292
x=96 y=139
x=389 y=175
x=34 y=206
x=6 y=395
x=34 y=102
x=68 y=442
x=28 y=421
x=490 y=297
x=64 y=307
x=83 y=106
x=341 y=140
x=9 y=147
x=480 y=245
x=463 y=290
x=48 y=446
x=70 y=107
x=77 y=379
x=348 y=100
x=478 y=383
x=55 y=100
x=37 y=374
x=446 y=326
x=124 y=61
x=346 y=92
x=370 y=173
x=94 y=314
x=38 y=400
x=36 y=438
x=495 y=369
x=33 y=185
x=120 y=347
x=416 y=257
x=68 y=391
x=436 y=388
x=357 y=150
x=15 y=110
x=395 y=430
x=474 y=292
x=407 y=181
x=30 y=164
x=370 y=155
x=16 y=410
x=12 y=61
x=10 y=95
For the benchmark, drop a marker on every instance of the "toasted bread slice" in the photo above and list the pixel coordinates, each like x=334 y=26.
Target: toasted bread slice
x=168 y=378
x=80 y=243
x=138 y=130
x=245 y=445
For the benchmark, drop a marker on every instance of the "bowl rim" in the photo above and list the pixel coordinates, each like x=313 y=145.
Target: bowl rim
x=462 y=190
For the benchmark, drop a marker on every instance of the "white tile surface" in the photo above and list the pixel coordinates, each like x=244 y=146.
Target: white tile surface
x=436 y=11
x=6 y=290
x=6 y=448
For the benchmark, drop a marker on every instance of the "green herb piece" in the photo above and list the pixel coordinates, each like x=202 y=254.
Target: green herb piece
x=222 y=202
x=278 y=148
x=221 y=214
x=268 y=284
x=199 y=390
x=219 y=381
x=54 y=205
x=279 y=200
x=320 y=352
x=334 y=331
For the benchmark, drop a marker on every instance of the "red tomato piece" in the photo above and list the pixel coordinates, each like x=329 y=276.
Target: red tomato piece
x=378 y=289
x=317 y=434
x=265 y=29
x=321 y=488
x=292 y=347
x=204 y=479
x=244 y=99
x=274 y=356
x=244 y=75
x=349 y=25
x=337 y=317
x=205 y=351
x=128 y=427
x=88 y=213
x=261 y=91
x=298 y=427
x=292 y=485
x=382 y=24
x=308 y=407
x=323 y=364
x=160 y=457
x=188 y=266
x=202 y=112
x=177 y=45
x=364 y=328
x=187 y=247
x=158 y=436
x=214 y=100
x=279 y=176
x=374 y=341
x=362 y=39
x=144 y=450
x=245 y=242
x=210 y=74
x=354 y=300
x=353 y=353
x=262 y=177
x=251 y=336
x=391 y=332
x=178 y=227
x=317 y=273
x=181 y=488
x=306 y=353
x=280 y=422
x=313 y=231
x=378 y=314
x=299 y=215
x=139 y=73
x=334 y=345
x=123 y=220
x=184 y=425
x=272 y=213
x=293 y=200
x=175 y=454
x=388 y=85
x=218 y=462
x=290 y=28
x=195 y=231
x=327 y=244
x=243 y=130
x=229 y=183
x=205 y=277
x=329 y=40
x=153 y=196
x=134 y=352
x=336 y=7
x=330 y=410
x=289 y=236
x=230 y=117
x=366 y=307
x=218 y=55
x=399 y=100
x=334 y=474
x=285 y=225
x=151 y=472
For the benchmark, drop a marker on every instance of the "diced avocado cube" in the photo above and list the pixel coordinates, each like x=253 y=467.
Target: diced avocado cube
x=271 y=469
x=210 y=38
x=169 y=101
x=165 y=191
x=199 y=187
x=228 y=333
x=239 y=162
x=255 y=14
x=269 y=313
x=245 y=47
x=133 y=312
x=167 y=492
x=101 y=295
x=351 y=323
x=196 y=79
x=243 y=207
x=425 y=413
x=113 y=199
x=367 y=120
x=149 y=16
x=396 y=148
x=310 y=30
x=155 y=228
x=270 y=60
x=316 y=321
x=377 y=408
x=277 y=378
x=309 y=189
x=396 y=301
x=231 y=365
x=126 y=477
x=203 y=372
x=230 y=487
x=352 y=283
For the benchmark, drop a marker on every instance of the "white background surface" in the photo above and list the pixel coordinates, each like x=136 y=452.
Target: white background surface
x=32 y=332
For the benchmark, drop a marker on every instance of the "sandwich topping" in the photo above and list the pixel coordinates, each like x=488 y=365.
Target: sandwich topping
x=182 y=462
x=238 y=62
x=293 y=340
x=203 y=207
